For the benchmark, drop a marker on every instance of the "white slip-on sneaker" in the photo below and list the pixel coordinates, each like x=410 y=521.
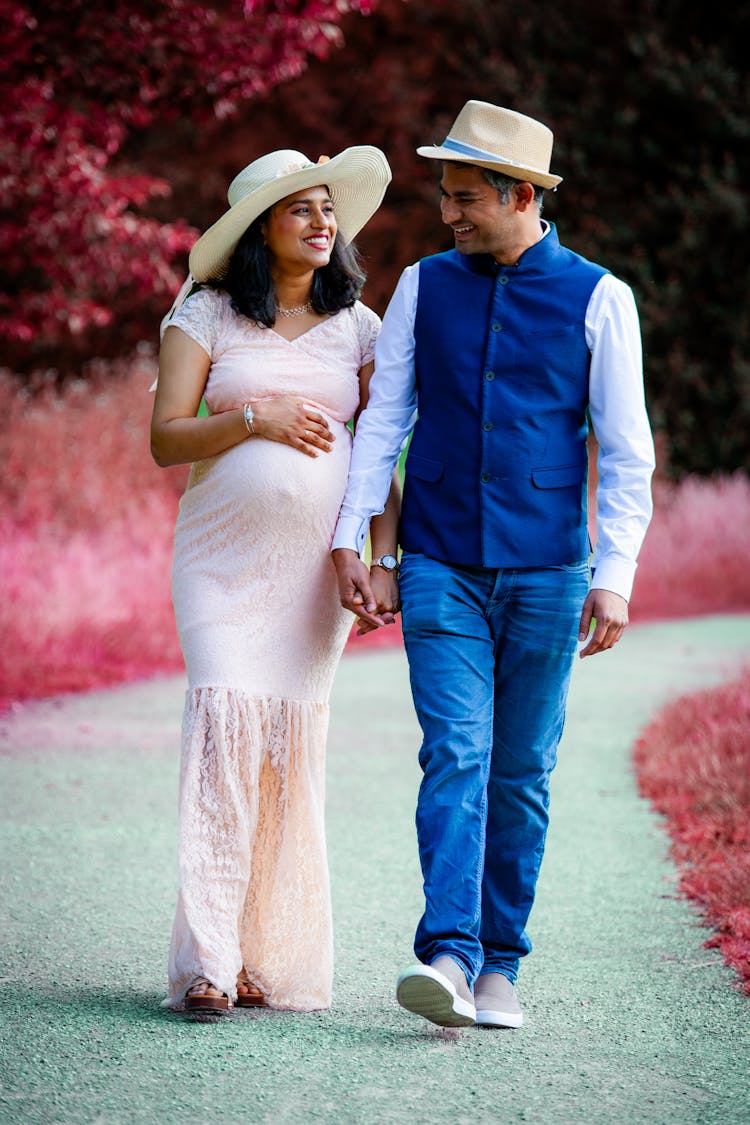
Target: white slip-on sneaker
x=496 y=1002
x=438 y=992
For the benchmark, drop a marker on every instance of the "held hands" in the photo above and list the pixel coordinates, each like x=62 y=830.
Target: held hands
x=611 y=613
x=373 y=598
x=293 y=422
x=384 y=586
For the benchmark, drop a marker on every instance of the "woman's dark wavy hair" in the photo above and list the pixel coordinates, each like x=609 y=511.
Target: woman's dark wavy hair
x=249 y=283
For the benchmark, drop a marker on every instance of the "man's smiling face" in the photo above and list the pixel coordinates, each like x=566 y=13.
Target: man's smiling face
x=471 y=207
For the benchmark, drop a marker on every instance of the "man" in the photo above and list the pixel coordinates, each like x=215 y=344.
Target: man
x=500 y=349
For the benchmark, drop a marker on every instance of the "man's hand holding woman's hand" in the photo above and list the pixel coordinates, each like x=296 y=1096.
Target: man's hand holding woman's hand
x=372 y=597
x=384 y=586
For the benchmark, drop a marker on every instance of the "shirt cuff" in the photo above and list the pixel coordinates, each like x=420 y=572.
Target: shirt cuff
x=351 y=534
x=614 y=574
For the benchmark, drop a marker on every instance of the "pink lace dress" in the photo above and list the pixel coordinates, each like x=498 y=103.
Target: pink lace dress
x=262 y=632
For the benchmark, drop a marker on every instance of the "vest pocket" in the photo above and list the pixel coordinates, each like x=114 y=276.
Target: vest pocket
x=557 y=352
x=565 y=476
x=423 y=468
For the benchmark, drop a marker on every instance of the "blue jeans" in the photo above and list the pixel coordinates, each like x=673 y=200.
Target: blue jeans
x=490 y=655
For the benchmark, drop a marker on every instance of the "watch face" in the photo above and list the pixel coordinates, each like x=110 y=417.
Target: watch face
x=389 y=562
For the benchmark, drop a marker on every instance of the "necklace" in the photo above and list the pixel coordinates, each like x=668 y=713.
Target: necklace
x=295 y=310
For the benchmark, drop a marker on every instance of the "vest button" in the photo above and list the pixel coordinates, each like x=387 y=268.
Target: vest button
x=489 y=376
x=497 y=327
x=503 y=279
x=488 y=426
x=486 y=478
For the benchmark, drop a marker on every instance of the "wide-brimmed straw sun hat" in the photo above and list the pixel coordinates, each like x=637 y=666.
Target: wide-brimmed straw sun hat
x=501 y=140
x=356 y=178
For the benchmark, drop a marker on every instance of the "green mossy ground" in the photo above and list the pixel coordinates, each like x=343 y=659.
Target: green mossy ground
x=628 y=1018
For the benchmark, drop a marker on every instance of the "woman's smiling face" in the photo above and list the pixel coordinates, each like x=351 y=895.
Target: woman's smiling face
x=301 y=229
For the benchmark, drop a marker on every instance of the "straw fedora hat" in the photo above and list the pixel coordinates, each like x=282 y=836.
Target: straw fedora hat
x=499 y=139
x=356 y=178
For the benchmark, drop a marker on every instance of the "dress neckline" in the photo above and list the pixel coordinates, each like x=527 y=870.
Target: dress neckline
x=307 y=331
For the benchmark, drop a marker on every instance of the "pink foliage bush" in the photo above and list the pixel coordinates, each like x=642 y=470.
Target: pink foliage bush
x=695 y=555
x=693 y=763
x=86 y=524
x=85 y=548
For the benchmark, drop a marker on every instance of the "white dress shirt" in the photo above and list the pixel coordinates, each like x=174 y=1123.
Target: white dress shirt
x=618 y=416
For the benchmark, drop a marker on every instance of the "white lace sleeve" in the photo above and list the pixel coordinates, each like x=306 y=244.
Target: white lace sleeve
x=201 y=317
x=368 y=327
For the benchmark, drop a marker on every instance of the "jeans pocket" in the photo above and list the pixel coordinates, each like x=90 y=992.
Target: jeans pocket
x=406 y=562
x=582 y=567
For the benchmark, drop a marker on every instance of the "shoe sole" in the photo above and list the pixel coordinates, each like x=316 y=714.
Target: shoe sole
x=431 y=996
x=487 y=1018
x=207 y=1004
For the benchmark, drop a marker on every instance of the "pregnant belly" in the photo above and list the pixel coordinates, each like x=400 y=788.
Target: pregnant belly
x=264 y=485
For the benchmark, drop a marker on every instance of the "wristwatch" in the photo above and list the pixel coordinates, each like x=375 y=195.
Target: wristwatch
x=388 y=562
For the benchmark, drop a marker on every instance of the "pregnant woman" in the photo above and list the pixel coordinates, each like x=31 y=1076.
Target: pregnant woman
x=275 y=341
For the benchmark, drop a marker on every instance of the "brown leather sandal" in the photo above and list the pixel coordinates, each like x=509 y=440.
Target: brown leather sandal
x=253 y=998
x=200 y=1002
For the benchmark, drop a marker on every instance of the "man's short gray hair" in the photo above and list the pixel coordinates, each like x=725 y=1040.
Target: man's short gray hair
x=504 y=186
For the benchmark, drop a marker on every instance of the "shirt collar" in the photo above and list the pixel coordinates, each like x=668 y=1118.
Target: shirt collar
x=532 y=259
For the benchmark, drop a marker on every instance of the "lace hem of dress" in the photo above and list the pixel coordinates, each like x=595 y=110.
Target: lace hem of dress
x=254 y=888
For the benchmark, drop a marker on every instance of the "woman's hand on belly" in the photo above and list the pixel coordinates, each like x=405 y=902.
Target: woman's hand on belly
x=294 y=422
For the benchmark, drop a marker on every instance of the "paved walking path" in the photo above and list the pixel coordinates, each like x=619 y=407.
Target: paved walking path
x=628 y=1018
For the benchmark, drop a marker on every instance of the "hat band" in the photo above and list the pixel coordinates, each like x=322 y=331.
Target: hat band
x=480 y=153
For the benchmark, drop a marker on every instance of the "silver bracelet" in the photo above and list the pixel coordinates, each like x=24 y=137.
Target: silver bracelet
x=247 y=414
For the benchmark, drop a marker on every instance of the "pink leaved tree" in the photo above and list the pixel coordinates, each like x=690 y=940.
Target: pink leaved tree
x=80 y=83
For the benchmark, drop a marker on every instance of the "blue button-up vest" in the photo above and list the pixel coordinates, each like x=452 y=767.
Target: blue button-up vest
x=497 y=466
